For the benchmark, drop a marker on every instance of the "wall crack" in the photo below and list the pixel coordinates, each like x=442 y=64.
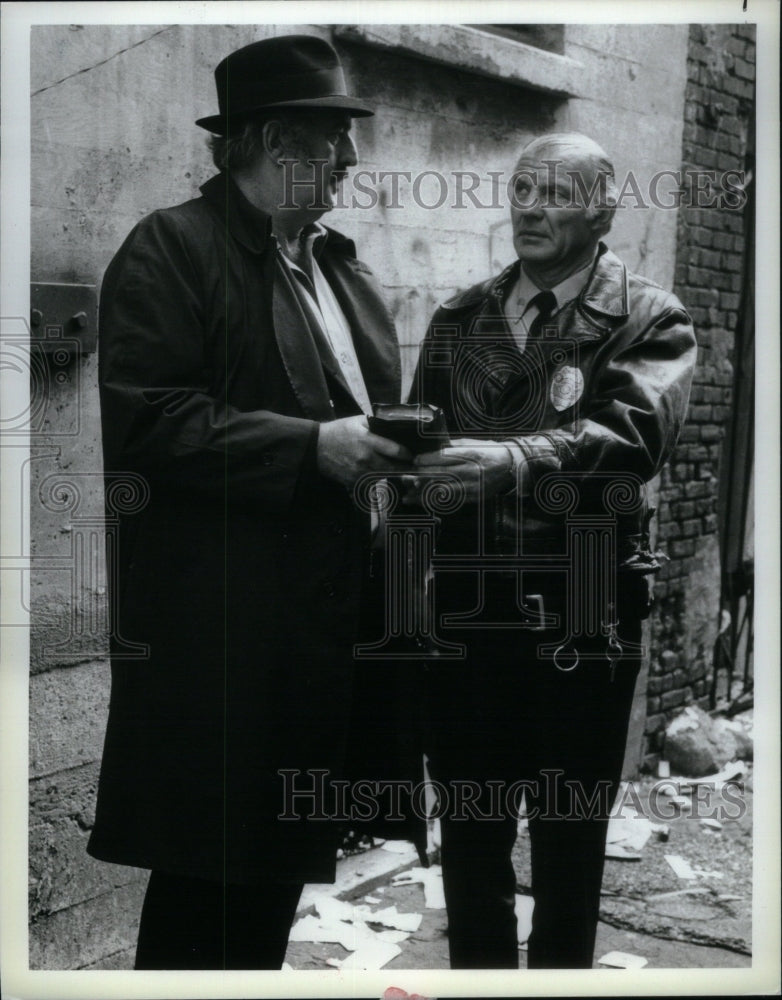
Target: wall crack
x=88 y=69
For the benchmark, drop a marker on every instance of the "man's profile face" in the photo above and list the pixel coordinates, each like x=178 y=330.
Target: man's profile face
x=551 y=225
x=325 y=138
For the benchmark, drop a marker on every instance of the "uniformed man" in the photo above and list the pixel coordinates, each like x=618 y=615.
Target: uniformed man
x=565 y=382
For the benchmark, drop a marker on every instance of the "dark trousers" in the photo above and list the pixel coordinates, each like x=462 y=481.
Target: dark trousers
x=189 y=923
x=507 y=718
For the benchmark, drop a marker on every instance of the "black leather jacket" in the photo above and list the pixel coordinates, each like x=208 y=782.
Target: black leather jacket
x=596 y=404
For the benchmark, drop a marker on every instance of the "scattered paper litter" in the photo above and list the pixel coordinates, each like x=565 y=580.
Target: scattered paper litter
x=623 y=960
x=680 y=866
x=372 y=899
x=708 y=874
x=390 y=917
x=350 y=936
x=393 y=937
x=524 y=907
x=374 y=955
x=630 y=832
x=432 y=881
x=340 y=923
x=729 y=772
x=712 y=824
x=663 y=769
x=333 y=909
x=309 y=928
x=397 y=846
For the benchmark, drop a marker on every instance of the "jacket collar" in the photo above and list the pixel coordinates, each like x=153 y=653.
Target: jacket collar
x=246 y=223
x=605 y=293
x=251 y=226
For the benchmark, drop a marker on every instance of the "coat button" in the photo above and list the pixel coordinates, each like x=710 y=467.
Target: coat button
x=267 y=458
x=328 y=589
x=337 y=529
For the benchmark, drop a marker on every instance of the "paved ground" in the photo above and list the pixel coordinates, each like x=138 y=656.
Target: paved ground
x=647 y=910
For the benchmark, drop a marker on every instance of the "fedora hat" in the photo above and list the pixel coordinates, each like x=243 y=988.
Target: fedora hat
x=292 y=71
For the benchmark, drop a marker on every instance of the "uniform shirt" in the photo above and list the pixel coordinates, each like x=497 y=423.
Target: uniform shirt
x=520 y=312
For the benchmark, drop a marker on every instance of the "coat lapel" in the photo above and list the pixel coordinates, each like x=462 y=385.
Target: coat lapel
x=298 y=350
x=371 y=326
x=305 y=355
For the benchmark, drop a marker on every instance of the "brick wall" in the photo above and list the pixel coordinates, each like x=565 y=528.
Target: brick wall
x=718 y=123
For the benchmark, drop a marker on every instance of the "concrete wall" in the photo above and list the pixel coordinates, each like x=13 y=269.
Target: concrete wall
x=112 y=138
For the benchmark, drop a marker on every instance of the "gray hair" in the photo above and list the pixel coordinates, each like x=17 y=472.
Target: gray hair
x=580 y=150
x=243 y=145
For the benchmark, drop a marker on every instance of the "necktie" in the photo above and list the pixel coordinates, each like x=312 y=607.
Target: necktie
x=546 y=303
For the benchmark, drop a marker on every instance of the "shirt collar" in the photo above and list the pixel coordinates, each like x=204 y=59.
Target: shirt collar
x=563 y=292
x=314 y=235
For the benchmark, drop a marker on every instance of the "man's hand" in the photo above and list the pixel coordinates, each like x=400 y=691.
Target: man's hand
x=347 y=450
x=484 y=468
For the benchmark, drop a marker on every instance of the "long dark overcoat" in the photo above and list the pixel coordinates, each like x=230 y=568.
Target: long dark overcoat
x=241 y=571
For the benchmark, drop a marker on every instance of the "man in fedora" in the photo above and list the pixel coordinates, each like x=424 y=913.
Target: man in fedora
x=241 y=347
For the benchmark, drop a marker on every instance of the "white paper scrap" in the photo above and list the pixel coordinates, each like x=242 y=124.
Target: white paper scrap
x=524 y=907
x=398 y=846
x=630 y=832
x=680 y=866
x=350 y=936
x=729 y=772
x=390 y=917
x=333 y=909
x=309 y=928
x=369 y=958
x=622 y=960
x=432 y=881
x=712 y=824
x=393 y=937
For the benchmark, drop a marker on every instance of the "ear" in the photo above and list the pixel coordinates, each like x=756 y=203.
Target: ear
x=600 y=219
x=272 y=137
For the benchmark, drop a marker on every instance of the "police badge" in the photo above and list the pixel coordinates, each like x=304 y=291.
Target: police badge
x=567 y=387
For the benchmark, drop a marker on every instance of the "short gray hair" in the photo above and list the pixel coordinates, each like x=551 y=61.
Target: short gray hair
x=242 y=146
x=578 y=146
